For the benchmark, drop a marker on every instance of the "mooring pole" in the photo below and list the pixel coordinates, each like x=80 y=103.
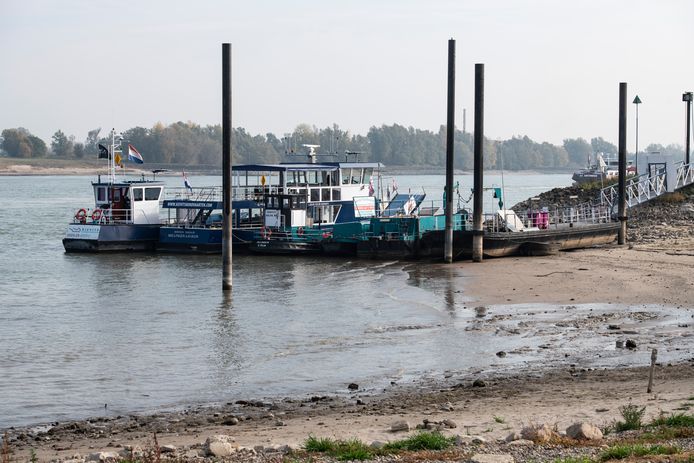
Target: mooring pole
x=687 y=97
x=477 y=230
x=654 y=357
x=622 y=211
x=450 y=129
x=226 y=166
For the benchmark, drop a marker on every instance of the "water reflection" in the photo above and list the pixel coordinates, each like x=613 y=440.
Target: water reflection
x=227 y=342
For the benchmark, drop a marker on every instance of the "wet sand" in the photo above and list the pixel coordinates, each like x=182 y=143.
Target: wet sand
x=558 y=394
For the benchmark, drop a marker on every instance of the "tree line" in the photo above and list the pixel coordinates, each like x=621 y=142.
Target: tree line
x=190 y=144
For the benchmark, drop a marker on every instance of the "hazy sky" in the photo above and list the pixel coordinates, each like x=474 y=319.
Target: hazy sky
x=553 y=67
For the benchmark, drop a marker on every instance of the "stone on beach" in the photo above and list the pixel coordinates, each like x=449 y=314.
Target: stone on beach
x=103 y=456
x=584 y=431
x=492 y=458
x=220 y=445
x=537 y=433
x=401 y=425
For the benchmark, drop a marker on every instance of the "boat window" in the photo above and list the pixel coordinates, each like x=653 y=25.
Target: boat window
x=256 y=216
x=345 y=176
x=334 y=175
x=325 y=194
x=291 y=178
x=115 y=194
x=325 y=178
x=336 y=211
x=356 y=176
x=312 y=177
x=272 y=201
x=152 y=194
x=315 y=194
x=367 y=174
x=137 y=194
x=101 y=194
x=336 y=194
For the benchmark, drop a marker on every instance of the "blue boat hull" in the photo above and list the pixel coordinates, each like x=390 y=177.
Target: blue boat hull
x=201 y=240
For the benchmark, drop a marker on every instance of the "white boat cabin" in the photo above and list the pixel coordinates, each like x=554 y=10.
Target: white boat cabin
x=132 y=202
x=328 y=188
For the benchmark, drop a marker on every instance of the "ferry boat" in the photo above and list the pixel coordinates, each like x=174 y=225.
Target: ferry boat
x=124 y=217
x=602 y=170
x=276 y=208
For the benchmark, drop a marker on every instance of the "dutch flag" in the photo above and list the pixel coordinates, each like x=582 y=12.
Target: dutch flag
x=134 y=155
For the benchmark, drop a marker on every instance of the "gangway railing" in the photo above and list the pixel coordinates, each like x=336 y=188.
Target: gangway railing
x=646 y=187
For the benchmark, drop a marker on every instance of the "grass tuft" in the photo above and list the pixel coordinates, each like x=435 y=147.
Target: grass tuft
x=319 y=444
x=632 y=415
x=343 y=450
x=422 y=441
x=620 y=452
x=352 y=449
x=499 y=419
x=677 y=420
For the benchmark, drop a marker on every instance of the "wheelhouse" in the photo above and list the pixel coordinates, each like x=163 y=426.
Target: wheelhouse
x=130 y=202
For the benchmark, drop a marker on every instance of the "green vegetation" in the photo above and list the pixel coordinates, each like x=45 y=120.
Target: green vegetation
x=187 y=143
x=632 y=415
x=499 y=419
x=620 y=452
x=319 y=444
x=674 y=420
x=354 y=449
x=344 y=450
x=422 y=441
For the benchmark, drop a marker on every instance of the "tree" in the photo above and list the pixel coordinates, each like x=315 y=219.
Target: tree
x=579 y=151
x=20 y=143
x=78 y=150
x=61 y=145
x=602 y=146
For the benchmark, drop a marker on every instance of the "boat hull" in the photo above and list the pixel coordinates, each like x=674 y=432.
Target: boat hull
x=197 y=240
x=110 y=238
x=531 y=242
x=284 y=247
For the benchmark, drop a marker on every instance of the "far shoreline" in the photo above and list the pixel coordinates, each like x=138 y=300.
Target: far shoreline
x=12 y=167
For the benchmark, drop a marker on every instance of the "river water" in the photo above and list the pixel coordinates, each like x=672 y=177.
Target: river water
x=141 y=332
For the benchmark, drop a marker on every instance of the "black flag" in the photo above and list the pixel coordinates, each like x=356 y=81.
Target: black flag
x=103 y=152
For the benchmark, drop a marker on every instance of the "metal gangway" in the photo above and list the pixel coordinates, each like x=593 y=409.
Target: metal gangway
x=646 y=187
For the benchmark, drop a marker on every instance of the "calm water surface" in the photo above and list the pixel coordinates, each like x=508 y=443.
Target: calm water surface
x=143 y=331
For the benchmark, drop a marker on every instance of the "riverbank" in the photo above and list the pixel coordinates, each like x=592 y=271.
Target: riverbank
x=642 y=276
x=574 y=306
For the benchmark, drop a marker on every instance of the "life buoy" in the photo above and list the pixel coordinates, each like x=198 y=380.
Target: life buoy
x=265 y=232
x=327 y=235
x=81 y=215
x=300 y=231
x=96 y=215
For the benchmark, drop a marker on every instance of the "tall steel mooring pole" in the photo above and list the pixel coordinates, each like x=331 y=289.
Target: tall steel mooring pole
x=226 y=166
x=450 y=129
x=687 y=97
x=477 y=230
x=622 y=211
